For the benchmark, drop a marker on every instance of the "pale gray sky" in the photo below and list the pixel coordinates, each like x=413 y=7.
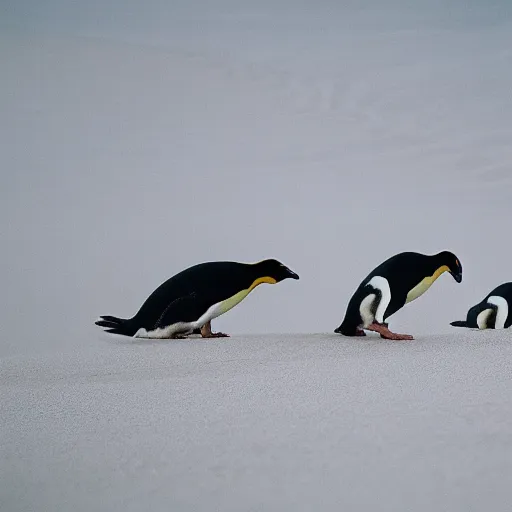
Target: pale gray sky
x=329 y=137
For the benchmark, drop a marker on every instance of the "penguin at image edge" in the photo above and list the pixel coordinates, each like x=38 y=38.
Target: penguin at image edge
x=190 y=300
x=493 y=312
x=397 y=281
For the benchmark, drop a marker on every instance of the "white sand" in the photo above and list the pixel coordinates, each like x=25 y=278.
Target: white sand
x=138 y=138
x=274 y=423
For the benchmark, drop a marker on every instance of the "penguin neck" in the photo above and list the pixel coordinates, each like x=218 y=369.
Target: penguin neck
x=439 y=265
x=259 y=276
x=261 y=280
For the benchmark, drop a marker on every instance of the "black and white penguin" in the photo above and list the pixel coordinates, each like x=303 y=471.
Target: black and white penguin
x=395 y=282
x=191 y=299
x=493 y=312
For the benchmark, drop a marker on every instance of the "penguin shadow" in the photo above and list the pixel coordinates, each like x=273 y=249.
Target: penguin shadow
x=120 y=340
x=372 y=338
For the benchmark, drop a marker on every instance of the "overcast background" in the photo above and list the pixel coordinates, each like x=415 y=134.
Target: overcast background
x=139 y=138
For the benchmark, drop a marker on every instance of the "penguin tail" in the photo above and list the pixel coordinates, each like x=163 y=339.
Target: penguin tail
x=116 y=325
x=459 y=323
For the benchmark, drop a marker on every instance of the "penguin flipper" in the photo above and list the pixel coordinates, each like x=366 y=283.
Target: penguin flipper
x=185 y=310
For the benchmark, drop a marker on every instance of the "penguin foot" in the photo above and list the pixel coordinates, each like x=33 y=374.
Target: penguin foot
x=386 y=325
x=206 y=332
x=217 y=335
x=385 y=333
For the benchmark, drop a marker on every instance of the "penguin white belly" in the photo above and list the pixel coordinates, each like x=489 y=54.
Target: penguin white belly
x=419 y=290
x=212 y=312
x=502 y=313
x=483 y=318
x=365 y=309
x=382 y=284
x=164 y=332
x=224 y=306
x=219 y=309
x=424 y=284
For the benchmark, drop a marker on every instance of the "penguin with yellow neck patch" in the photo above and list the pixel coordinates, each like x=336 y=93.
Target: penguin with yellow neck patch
x=191 y=299
x=394 y=283
x=493 y=312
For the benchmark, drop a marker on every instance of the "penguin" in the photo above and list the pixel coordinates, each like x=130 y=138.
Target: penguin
x=397 y=281
x=187 y=302
x=493 y=312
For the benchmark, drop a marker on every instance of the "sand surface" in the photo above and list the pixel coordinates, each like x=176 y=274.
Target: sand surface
x=290 y=422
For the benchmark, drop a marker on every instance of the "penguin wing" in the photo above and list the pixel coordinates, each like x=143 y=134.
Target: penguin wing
x=188 y=308
x=474 y=312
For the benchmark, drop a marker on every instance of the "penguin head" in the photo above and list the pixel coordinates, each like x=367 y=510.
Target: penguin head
x=453 y=263
x=276 y=270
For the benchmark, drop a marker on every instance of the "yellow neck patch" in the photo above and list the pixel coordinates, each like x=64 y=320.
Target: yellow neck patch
x=240 y=296
x=260 y=280
x=425 y=284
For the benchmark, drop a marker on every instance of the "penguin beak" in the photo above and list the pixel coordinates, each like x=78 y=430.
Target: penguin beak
x=291 y=274
x=457 y=276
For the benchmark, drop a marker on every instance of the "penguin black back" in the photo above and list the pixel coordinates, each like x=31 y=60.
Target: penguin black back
x=407 y=270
